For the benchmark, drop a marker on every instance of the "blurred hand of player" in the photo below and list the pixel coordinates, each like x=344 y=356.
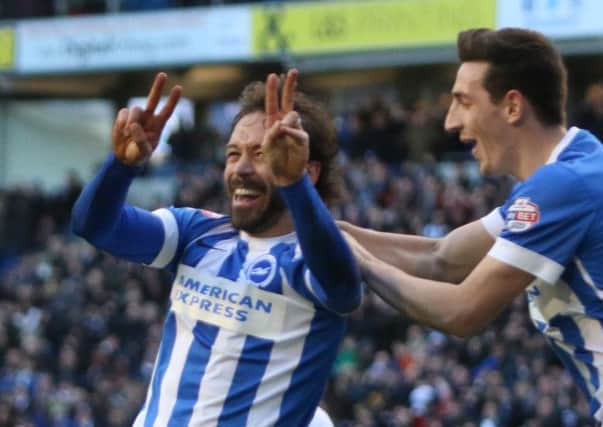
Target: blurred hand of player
x=136 y=132
x=286 y=145
x=362 y=255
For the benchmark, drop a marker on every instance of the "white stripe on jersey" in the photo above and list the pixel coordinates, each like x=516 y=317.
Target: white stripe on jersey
x=217 y=379
x=540 y=266
x=321 y=419
x=142 y=414
x=211 y=262
x=171 y=378
x=170 y=240
x=284 y=358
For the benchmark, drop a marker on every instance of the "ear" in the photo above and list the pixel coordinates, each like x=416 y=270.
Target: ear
x=515 y=106
x=314 y=170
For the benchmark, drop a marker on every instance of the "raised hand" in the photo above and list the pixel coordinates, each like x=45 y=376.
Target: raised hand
x=136 y=132
x=286 y=144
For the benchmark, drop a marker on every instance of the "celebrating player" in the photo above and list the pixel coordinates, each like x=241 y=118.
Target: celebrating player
x=509 y=99
x=257 y=304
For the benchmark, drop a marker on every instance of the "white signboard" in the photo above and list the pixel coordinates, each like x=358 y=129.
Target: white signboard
x=554 y=18
x=134 y=40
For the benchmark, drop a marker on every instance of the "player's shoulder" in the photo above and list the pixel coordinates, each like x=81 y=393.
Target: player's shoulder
x=552 y=186
x=194 y=220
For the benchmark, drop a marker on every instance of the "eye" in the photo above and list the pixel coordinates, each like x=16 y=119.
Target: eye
x=259 y=154
x=232 y=155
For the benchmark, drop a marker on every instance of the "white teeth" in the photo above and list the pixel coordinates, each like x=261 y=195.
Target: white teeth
x=246 y=192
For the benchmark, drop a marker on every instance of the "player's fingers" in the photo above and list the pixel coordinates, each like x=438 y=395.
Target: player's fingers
x=170 y=105
x=292 y=119
x=139 y=137
x=289 y=91
x=135 y=115
x=298 y=135
x=272 y=133
x=155 y=92
x=271 y=99
x=120 y=123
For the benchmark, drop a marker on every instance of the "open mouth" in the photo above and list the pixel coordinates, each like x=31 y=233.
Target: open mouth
x=471 y=143
x=246 y=197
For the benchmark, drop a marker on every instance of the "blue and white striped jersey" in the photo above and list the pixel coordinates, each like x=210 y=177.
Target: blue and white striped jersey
x=552 y=226
x=248 y=339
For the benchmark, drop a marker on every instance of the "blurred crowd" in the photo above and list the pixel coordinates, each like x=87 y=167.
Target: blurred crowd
x=79 y=329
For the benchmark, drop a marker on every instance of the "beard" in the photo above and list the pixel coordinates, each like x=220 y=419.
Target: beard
x=259 y=220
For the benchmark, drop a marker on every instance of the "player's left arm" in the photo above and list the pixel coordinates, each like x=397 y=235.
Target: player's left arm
x=335 y=279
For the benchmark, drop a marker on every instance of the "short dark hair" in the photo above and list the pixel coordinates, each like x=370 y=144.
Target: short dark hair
x=319 y=125
x=523 y=60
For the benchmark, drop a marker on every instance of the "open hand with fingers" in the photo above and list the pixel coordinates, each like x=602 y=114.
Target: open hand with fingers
x=136 y=132
x=286 y=144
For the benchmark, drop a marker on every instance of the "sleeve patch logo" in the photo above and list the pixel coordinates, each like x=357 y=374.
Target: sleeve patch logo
x=210 y=214
x=522 y=215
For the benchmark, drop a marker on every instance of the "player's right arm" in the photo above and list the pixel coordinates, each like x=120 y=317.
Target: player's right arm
x=450 y=258
x=100 y=214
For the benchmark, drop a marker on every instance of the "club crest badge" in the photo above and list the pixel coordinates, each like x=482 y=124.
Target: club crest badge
x=262 y=270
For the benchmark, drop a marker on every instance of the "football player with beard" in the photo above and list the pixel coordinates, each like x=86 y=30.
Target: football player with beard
x=259 y=296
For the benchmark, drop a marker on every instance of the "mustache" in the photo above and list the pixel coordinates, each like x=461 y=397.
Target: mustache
x=249 y=183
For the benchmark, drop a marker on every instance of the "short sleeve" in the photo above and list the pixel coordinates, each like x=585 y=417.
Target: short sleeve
x=494 y=222
x=181 y=226
x=546 y=218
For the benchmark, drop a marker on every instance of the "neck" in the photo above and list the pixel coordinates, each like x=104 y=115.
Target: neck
x=535 y=144
x=284 y=225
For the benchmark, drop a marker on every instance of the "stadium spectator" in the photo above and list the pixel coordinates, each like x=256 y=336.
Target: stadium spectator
x=590 y=112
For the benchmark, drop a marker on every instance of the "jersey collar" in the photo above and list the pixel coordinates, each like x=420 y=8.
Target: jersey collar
x=266 y=243
x=565 y=141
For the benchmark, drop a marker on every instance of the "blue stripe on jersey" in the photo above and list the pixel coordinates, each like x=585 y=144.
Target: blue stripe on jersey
x=304 y=392
x=585 y=293
x=571 y=335
x=278 y=251
x=196 y=251
x=204 y=336
x=231 y=267
x=246 y=381
x=165 y=353
x=570 y=366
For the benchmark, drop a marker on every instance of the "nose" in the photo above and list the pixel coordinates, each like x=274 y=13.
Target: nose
x=244 y=165
x=452 y=122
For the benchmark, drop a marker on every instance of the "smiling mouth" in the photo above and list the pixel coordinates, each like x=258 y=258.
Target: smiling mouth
x=245 y=197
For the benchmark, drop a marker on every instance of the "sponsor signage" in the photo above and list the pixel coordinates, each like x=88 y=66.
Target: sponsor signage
x=134 y=40
x=344 y=26
x=7 y=48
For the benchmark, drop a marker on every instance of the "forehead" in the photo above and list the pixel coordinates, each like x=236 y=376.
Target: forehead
x=249 y=130
x=470 y=76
